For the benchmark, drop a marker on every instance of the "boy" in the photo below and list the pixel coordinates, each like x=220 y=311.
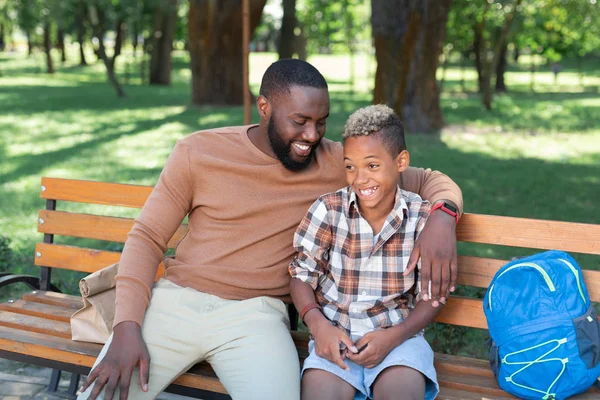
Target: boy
x=353 y=247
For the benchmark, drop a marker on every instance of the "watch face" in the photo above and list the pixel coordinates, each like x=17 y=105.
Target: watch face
x=451 y=207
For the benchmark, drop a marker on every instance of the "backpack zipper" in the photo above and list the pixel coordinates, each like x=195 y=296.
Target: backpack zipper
x=576 y=277
x=525 y=264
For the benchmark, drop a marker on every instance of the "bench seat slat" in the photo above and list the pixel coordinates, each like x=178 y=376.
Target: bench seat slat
x=41 y=310
x=56 y=299
x=35 y=324
x=456 y=394
x=79 y=258
x=112 y=229
x=530 y=233
x=114 y=194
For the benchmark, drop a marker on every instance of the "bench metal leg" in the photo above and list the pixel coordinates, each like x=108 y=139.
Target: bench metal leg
x=74 y=384
x=54 y=379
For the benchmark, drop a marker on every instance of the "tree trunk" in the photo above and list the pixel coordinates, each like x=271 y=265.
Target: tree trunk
x=60 y=43
x=165 y=21
x=288 y=24
x=531 y=71
x=215 y=44
x=408 y=36
x=501 y=69
x=491 y=64
x=580 y=69
x=48 y=48
x=516 y=54
x=29 y=45
x=135 y=31
x=2 y=42
x=81 y=35
x=477 y=43
x=98 y=21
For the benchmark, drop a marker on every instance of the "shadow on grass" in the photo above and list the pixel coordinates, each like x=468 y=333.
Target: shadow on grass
x=533 y=112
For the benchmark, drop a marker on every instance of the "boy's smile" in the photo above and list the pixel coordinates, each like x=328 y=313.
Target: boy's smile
x=373 y=173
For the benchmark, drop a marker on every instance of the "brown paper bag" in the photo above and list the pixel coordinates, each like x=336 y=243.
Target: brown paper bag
x=93 y=323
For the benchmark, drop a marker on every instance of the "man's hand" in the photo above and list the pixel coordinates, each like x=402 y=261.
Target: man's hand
x=327 y=340
x=378 y=346
x=436 y=246
x=127 y=350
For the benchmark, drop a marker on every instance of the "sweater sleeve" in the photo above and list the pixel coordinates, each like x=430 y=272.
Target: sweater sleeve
x=147 y=242
x=431 y=186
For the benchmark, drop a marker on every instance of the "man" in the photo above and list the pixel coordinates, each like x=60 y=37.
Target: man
x=245 y=189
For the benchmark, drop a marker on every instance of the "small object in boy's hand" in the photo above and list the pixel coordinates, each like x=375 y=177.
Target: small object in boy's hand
x=362 y=348
x=343 y=346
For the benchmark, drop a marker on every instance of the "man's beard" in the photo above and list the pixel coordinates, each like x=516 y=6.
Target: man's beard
x=283 y=150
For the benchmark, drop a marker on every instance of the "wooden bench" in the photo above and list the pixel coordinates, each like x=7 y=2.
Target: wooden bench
x=35 y=328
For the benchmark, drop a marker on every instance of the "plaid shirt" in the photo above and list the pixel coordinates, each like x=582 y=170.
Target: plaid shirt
x=359 y=284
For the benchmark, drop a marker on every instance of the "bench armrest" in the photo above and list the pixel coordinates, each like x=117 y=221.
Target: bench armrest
x=31 y=281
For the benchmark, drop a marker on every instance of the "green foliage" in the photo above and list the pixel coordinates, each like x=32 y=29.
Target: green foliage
x=6 y=254
x=335 y=26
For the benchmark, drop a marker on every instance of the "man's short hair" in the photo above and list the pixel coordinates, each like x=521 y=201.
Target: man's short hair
x=378 y=120
x=285 y=73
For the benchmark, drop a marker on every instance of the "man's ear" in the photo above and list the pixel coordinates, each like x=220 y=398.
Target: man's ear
x=403 y=160
x=264 y=107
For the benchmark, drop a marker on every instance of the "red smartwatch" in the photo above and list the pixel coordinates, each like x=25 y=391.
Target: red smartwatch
x=448 y=209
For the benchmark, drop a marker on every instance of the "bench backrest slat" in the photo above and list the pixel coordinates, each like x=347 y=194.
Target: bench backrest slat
x=80 y=191
x=478 y=272
x=78 y=258
x=112 y=229
x=531 y=233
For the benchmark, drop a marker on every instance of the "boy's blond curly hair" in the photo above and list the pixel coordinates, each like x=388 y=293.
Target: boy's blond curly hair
x=380 y=120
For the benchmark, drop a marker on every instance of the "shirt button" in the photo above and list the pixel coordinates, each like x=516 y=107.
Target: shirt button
x=364 y=293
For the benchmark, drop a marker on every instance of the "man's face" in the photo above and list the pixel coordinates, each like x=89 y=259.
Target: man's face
x=297 y=125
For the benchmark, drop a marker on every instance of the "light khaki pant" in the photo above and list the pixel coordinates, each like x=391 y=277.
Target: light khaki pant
x=247 y=343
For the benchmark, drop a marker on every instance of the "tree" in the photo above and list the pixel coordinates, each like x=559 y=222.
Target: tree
x=80 y=30
x=48 y=44
x=215 y=45
x=492 y=43
x=28 y=13
x=408 y=36
x=60 y=43
x=100 y=23
x=164 y=24
x=288 y=25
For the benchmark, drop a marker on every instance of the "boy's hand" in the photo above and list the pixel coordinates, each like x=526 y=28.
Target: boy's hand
x=378 y=346
x=436 y=246
x=327 y=343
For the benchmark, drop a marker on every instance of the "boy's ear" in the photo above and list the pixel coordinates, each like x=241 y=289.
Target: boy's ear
x=403 y=160
x=263 y=107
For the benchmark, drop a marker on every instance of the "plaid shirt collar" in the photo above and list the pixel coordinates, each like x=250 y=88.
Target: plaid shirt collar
x=398 y=213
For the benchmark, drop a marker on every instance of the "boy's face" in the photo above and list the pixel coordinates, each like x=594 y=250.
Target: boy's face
x=372 y=172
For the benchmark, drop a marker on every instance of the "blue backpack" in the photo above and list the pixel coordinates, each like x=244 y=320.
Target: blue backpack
x=545 y=334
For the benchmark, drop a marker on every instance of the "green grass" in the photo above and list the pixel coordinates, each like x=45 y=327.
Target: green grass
x=534 y=155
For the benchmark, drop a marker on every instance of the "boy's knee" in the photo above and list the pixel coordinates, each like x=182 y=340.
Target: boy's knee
x=399 y=379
